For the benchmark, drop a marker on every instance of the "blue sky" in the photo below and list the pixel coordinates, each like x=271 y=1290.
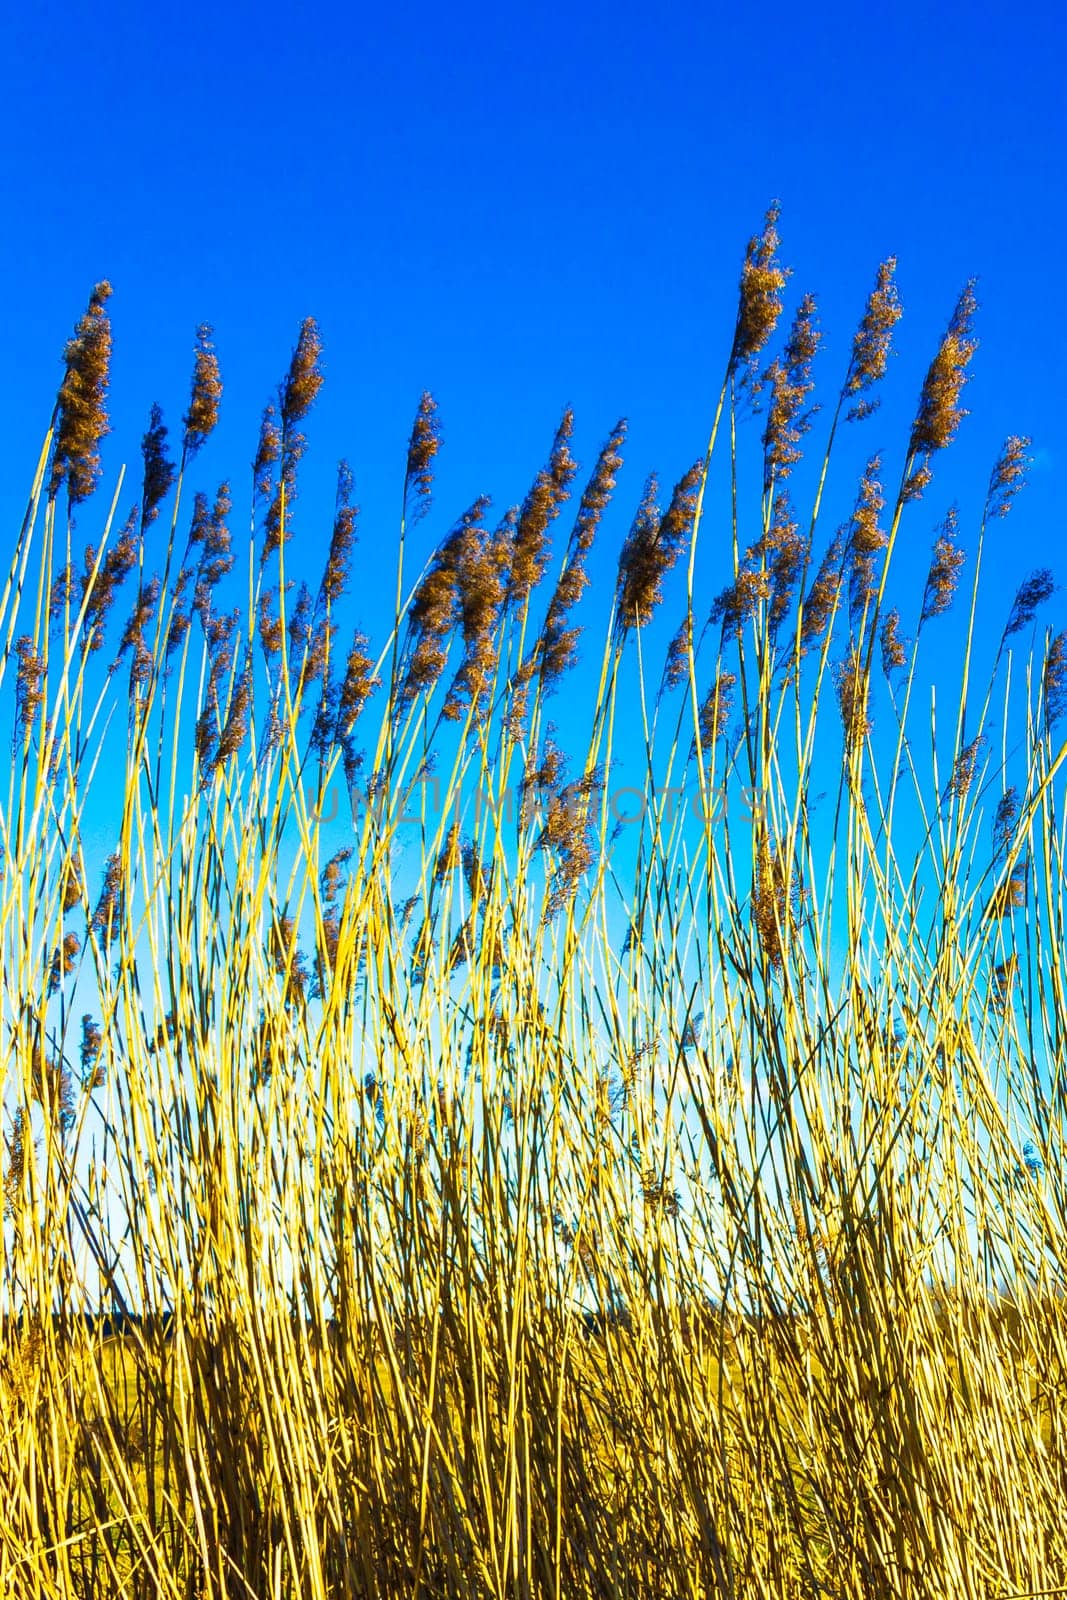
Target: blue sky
x=522 y=209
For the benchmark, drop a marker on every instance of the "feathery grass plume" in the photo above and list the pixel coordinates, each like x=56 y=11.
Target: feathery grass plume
x=286 y=444
x=651 y=550
x=871 y=345
x=943 y=576
x=331 y=877
x=817 y=607
x=716 y=707
x=1005 y=975
x=763 y=281
x=180 y=615
x=541 y=781
x=739 y=602
x=786 y=551
x=474 y=874
x=220 y=632
x=423 y=445
x=1054 y=679
x=332 y=882
x=357 y=686
x=269 y=622
x=1009 y=475
x=82 y=418
x=235 y=729
x=343 y=537
x=108 y=913
x=1004 y=820
x=865 y=539
x=115 y=568
x=483 y=562
x=963 y=769
x=518 y=689
x=73 y=879
x=658 y=1196
x=133 y=635
x=29 y=686
x=894 y=647
x=268 y=451
x=790 y=381
x=301 y=385
x=940 y=413
x=206 y=393
x=435 y=607
x=211 y=532
x=63 y=959
x=676 y=666
x=776 y=900
x=288 y=959
x=159 y=470
x=558 y=643
x=449 y=856
x=1038 y=587
x=531 y=547
x=567 y=836
x=92 y=1042
x=15 y=1171
x=334 y=582
x=1012 y=894
x=853 y=692
x=300 y=626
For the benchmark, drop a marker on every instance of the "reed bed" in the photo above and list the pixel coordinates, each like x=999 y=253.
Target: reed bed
x=567 y=1193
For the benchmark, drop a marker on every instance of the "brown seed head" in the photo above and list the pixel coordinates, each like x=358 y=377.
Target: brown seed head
x=29 y=684
x=894 y=649
x=1054 y=679
x=870 y=347
x=303 y=381
x=203 y=412
x=1038 y=588
x=82 y=420
x=106 y=918
x=550 y=489
x=436 y=606
x=1008 y=475
x=866 y=539
x=715 y=711
x=740 y=602
x=763 y=281
x=853 y=689
x=677 y=663
x=790 y=381
x=941 y=580
x=785 y=552
x=91 y=1044
x=964 y=768
x=820 y=602
x=423 y=445
x=339 y=560
x=483 y=563
x=1004 y=979
x=159 y=470
x=356 y=687
x=268 y=451
x=651 y=550
x=939 y=414
x=1007 y=815
x=776 y=899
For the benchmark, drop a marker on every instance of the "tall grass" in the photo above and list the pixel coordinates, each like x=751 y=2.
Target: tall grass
x=570 y=1193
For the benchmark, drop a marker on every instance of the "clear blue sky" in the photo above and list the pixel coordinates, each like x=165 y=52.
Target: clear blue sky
x=521 y=208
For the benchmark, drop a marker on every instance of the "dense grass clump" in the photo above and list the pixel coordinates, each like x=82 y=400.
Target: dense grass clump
x=584 y=1189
